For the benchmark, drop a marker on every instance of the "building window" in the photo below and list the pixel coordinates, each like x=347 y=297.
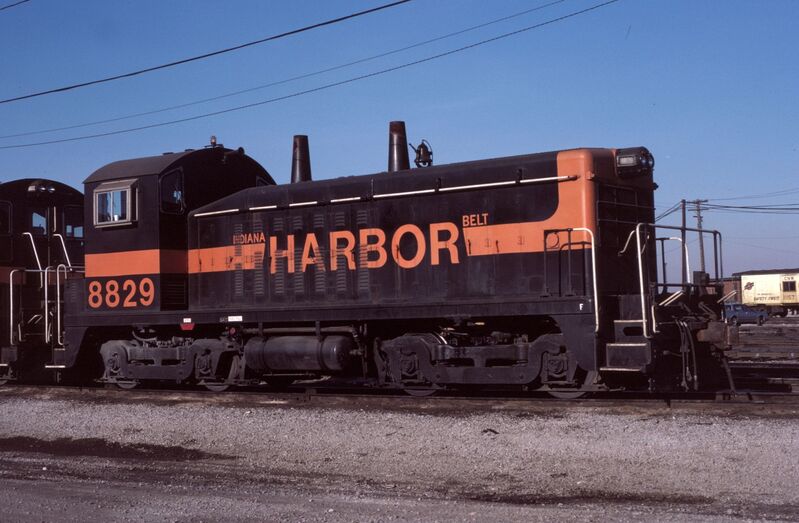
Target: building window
x=115 y=203
x=789 y=286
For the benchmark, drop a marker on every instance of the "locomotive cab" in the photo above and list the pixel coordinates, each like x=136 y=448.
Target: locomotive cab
x=136 y=214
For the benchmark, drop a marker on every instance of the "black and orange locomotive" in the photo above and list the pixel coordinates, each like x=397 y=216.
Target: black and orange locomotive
x=538 y=272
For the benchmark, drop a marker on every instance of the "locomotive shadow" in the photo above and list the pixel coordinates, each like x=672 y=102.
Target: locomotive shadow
x=100 y=448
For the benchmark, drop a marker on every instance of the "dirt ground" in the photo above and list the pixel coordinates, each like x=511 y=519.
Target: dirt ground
x=70 y=455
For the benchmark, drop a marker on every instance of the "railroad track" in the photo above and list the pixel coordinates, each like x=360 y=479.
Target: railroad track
x=767 y=356
x=781 y=335
x=753 y=402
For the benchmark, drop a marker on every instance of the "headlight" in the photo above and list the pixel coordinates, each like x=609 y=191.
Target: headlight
x=635 y=161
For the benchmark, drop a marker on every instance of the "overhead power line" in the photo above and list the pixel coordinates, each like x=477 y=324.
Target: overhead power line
x=207 y=55
x=322 y=87
x=768 y=248
x=286 y=80
x=674 y=208
x=786 y=208
x=774 y=194
x=9 y=6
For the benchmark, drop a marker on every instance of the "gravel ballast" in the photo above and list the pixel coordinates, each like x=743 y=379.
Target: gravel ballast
x=554 y=462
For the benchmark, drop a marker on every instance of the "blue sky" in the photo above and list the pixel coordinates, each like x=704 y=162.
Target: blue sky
x=710 y=87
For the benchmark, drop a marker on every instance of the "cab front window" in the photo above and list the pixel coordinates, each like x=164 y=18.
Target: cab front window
x=39 y=222
x=5 y=218
x=73 y=222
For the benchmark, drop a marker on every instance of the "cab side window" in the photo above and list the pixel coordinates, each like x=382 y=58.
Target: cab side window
x=789 y=286
x=172 y=199
x=115 y=203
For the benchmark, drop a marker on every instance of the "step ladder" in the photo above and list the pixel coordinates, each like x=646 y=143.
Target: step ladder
x=630 y=351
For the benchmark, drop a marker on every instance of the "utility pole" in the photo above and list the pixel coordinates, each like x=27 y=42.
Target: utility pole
x=684 y=269
x=698 y=210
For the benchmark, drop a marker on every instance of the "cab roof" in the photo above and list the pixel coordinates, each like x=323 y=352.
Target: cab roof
x=150 y=165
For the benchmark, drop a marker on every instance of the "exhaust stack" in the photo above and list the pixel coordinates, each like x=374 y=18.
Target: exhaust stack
x=397 y=147
x=300 y=160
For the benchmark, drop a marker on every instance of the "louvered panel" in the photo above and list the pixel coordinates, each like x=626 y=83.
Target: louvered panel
x=258 y=283
x=362 y=222
x=320 y=276
x=238 y=275
x=339 y=223
x=299 y=242
x=278 y=279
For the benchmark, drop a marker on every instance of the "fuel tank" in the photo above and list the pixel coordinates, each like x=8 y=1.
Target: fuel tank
x=299 y=353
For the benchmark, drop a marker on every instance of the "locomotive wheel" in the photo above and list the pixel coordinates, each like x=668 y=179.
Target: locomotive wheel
x=232 y=375
x=574 y=393
x=216 y=387
x=420 y=392
x=566 y=394
x=113 y=366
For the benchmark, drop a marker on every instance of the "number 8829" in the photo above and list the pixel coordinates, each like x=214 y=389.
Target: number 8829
x=128 y=294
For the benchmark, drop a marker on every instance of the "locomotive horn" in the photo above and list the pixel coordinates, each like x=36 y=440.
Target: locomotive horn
x=397 y=147
x=300 y=160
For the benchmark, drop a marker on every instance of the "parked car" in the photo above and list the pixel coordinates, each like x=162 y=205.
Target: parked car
x=738 y=313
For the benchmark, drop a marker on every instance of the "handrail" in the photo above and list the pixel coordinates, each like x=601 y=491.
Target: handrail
x=64 y=247
x=671 y=299
x=11 y=305
x=593 y=265
x=686 y=257
x=641 y=279
x=47 y=304
x=727 y=296
x=716 y=234
x=593 y=275
x=41 y=272
x=718 y=262
x=58 y=337
x=36 y=255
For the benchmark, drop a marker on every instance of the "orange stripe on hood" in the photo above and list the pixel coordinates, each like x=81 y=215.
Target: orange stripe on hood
x=126 y=263
x=227 y=258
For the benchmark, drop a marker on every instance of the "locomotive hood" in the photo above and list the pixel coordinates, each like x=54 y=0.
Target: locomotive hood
x=411 y=181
